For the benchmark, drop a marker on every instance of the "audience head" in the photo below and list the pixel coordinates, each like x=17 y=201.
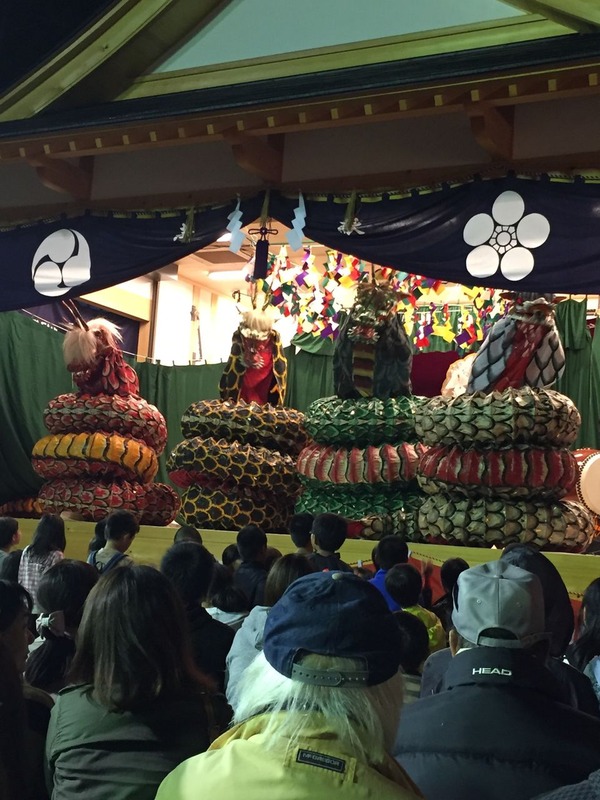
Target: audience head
x=230 y=557
x=403 y=583
x=15 y=610
x=49 y=536
x=415 y=642
x=449 y=572
x=187 y=533
x=9 y=566
x=329 y=532
x=283 y=573
x=9 y=532
x=273 y=555
x=61 y=596
x=498 y=605
x=133 y=646
x=588 y=642
x=99 y=540
x=391 y=550
x=374 y=558
x=558 y=611
x=121 y=527
x=330 y=647
x=252 y=543
x=189 y=567
x=222 y=594
x=300 y=530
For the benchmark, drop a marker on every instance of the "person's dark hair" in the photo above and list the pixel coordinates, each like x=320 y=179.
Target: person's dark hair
x=8 y=527
x=272 y=557
x=119 y=523
x=49 y=536
x=64 y=587
x=558 y=611
x=187 y=533
x=391 y=550
x=189 y=567
x=13 y=598
x=449 y=572
x=222 y=594
x=283 y=573
x=99 y=540
x=133 y=644
x=230 y=555
x=404 y=583
x=374 y=558
x=251 y=541
x=301 y=528
x=330 y=531
x=588 y=642
x=13 y=724
x=9 y=566
x=415 y=642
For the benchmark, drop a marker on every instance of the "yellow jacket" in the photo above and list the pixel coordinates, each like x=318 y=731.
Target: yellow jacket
x=238 y=766
x=435 y=629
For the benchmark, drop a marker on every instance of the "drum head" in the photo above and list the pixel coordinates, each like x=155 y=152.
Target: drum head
x=588 y=486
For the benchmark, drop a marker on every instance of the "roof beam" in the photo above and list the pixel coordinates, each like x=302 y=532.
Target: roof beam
x=579 y=15
x=99 y=64
x=493 y=129
x=62 y=176
x=257 y=156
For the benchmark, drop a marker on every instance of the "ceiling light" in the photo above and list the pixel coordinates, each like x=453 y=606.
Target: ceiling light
x=228 y=275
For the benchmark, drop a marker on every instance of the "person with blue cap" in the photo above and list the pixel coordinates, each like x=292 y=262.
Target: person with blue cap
x=318 y=708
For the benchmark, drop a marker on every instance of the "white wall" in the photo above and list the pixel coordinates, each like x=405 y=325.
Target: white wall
x=173 y=326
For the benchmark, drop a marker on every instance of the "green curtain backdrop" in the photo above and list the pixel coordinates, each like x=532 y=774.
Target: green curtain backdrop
x=580 y=380
x=32 y=371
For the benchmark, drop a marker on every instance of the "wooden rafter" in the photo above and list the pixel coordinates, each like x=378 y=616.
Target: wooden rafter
x=493 y=129
x=256 y=155
x=99 y=64
x=62 y=176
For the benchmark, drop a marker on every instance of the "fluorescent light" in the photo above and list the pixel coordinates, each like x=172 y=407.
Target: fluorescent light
x=225 y=238
x=228 y=275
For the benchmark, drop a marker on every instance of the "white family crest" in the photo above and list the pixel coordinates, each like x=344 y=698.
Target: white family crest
x=61 y=262
x=504 y=239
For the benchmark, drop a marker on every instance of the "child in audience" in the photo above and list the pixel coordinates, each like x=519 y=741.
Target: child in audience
x=328 y=534
x=99 y=539
x=189 y=566
x=251 y=575
x=61 y=596
x=10 y=536
x=300 y=530
x=404 y=583
x=225 y=603
x=187 y=533
x=120 y=528
x=9 y=566
x=249 y=639
x=449 y=572
x=230 y=558
x=46 y=549
x=137 y=706
x=390 y=550
x=415 y=649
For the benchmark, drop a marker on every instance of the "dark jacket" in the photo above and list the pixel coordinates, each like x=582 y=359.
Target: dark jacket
x=211 y=641
x=96 y=754
x=333 y=562
x=496 y=734
x=577 y=690
x=586 y=790
x=250 y=578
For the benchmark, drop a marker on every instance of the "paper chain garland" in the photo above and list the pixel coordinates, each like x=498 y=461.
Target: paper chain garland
x=315 y=295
